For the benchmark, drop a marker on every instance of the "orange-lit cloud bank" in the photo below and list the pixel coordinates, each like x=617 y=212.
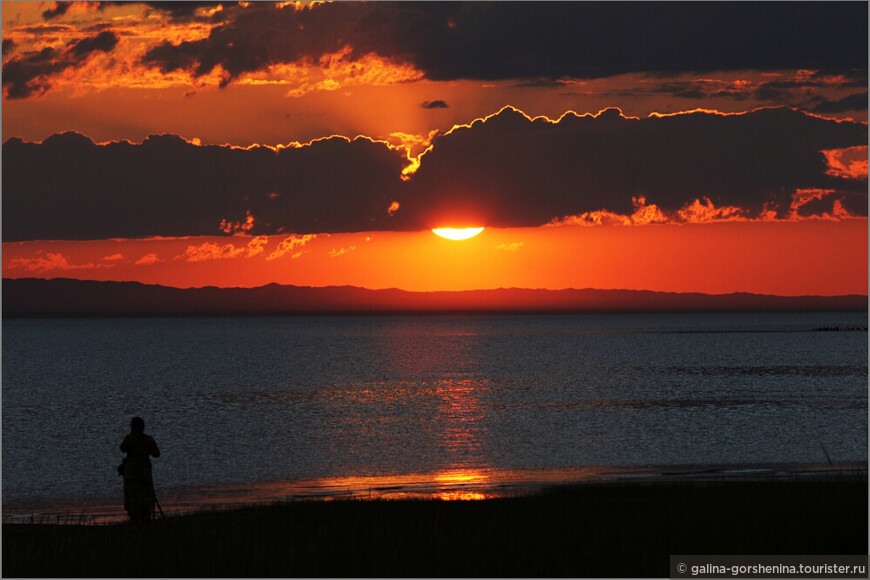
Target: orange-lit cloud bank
x=240 y=144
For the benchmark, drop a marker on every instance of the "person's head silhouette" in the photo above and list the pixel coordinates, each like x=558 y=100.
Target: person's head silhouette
x=137 y=425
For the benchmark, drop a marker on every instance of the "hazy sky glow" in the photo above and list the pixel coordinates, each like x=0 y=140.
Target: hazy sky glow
x=709 y=147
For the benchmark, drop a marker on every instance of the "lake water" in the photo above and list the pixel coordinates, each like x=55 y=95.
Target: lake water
x=317 y=403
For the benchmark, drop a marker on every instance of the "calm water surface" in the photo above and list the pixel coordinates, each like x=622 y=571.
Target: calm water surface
x=236 y=402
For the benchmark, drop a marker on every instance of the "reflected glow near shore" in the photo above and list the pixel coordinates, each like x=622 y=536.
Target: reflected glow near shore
x=450 y=485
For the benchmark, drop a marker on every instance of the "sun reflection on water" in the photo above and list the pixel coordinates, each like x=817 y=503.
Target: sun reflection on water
x=449 y=381
x=462 y=417
x=462 y=495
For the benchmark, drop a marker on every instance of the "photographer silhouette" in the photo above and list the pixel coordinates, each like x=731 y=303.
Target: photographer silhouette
x=136 y=468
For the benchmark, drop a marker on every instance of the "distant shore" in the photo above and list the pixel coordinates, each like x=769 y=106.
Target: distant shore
x=625 y=528
x=64 y=297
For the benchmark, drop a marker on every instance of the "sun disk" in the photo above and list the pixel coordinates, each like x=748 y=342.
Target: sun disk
x=457 y=233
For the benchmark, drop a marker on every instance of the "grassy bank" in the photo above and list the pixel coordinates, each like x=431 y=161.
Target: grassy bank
x=590 y=530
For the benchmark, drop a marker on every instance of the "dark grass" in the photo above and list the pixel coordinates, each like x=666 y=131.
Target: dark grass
x=624 y=530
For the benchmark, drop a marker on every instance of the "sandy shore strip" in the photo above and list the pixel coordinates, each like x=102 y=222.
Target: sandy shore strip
x=454 y=484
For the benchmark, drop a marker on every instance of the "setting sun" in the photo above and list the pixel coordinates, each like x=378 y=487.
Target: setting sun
x=457 y=233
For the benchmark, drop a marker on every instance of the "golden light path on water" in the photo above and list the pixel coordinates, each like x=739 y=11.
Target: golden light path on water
x=457 y=233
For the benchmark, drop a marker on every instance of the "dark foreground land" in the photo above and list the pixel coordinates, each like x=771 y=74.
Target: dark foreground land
x=624 y=530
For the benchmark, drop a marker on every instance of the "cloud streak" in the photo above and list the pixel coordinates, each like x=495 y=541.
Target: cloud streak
x=148 y=259
x=289 y=245
x=801 y=90
x=212 y=251
x=52 y=261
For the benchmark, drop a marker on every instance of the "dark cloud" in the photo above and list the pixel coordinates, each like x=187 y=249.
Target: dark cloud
x=538 y=40
x=186 y=10
x=435 y=105
x=856 y=102
x=510 y=171
x=59 y=9
x=504 y=171
x=698 y=90
x=540 y=44
x=806 y=93
x=29 y=74
x=802 y=93
x=8 y=46
x=70 y=188
x=179 y=11
x=262 y=35
x=41 y=29
x=104 y=42
x=540 y=84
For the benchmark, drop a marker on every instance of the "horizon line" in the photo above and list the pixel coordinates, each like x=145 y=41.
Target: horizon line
x=491 y=289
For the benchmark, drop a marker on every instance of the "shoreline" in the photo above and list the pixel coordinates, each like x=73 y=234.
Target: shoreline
x=622 y=528
x=29 y=297
x=449 y=485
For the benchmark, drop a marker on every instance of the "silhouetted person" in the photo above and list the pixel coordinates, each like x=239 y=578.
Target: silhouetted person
x=138 y=484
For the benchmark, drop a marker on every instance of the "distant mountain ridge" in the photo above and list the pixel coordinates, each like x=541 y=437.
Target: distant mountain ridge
x=69 y=297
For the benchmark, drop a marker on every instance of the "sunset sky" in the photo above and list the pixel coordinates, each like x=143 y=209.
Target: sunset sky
x=689 y=147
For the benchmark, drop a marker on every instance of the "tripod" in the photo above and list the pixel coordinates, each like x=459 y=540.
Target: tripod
x=155 y=507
